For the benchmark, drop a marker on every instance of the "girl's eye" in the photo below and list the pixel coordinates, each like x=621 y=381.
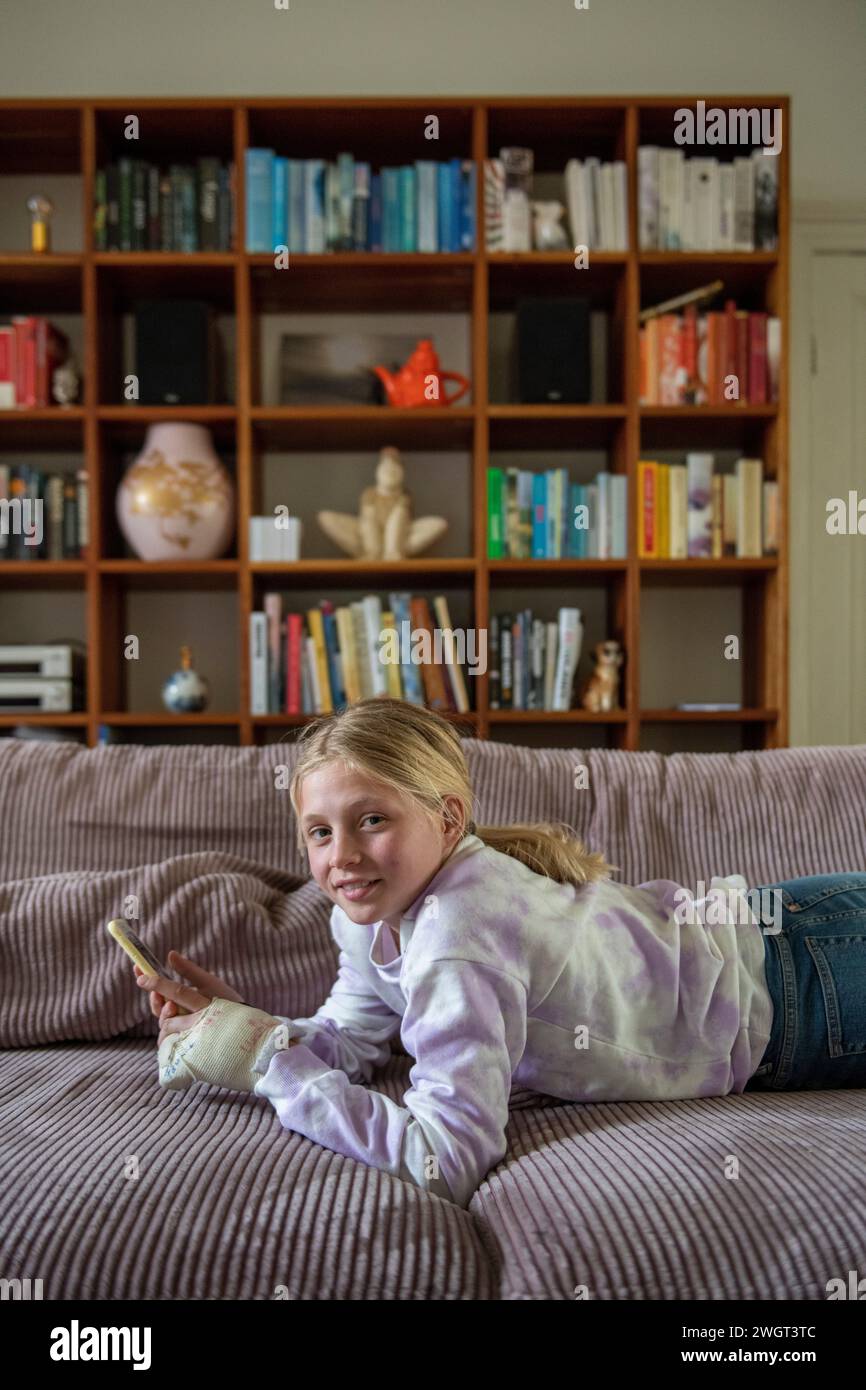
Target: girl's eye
x=373 y=815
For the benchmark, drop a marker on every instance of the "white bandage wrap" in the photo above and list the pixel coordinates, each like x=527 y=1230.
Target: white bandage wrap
x=222 y=1048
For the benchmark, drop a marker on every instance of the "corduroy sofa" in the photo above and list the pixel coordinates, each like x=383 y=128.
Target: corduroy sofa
x=111 y=1188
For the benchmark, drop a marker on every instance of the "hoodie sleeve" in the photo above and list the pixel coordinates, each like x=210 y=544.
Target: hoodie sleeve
x=465 y=1024
x=351 y=1032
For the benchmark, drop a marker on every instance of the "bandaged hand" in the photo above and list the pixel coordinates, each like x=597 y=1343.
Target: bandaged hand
x=221 y=1048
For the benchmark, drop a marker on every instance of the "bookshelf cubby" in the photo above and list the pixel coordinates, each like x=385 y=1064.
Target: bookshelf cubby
x=58 y=145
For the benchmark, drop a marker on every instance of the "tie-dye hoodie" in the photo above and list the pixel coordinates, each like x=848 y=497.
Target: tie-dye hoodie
x=508 y=978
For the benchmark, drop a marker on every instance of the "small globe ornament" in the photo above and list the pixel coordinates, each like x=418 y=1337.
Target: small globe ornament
x=185 y=692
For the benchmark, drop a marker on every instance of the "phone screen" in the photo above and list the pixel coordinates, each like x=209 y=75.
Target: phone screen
x=156 y=966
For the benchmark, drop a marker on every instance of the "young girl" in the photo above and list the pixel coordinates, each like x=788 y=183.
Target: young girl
x=506 y=954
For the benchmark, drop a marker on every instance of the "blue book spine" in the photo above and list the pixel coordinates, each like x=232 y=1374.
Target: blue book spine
x=314 y=205
x=548 y=511
x=259 y=168
x=564 y=485
x=296 y=206
x=539 y=517
x=619 y=501
x=582 y=533
x=467 y=206
x=281 y=201
x=408 y=208
x=428 y=200
x=390 y=209
x=456 y=167
x=444 y=196
x=332 y=647
x=375 y=242
x=413 y=690
x=573 y=532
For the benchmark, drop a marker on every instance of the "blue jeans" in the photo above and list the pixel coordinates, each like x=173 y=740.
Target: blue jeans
x=816 y=975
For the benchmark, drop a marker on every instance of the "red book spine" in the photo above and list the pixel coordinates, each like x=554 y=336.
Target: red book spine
x=294 y=633
x=743 y=358
x=25 y=394
x=41 y=361
x=689 y=354
x=758 y=359
x=649 y=511
x=7 y=361
x=729 y=347
x=715 y=358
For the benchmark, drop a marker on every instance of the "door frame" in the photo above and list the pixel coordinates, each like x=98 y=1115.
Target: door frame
x=811 y=235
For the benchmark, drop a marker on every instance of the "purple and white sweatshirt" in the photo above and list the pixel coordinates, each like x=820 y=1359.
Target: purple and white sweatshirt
x=507 y=978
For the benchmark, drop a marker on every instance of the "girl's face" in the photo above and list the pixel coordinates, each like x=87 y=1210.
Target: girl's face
x=357 y=832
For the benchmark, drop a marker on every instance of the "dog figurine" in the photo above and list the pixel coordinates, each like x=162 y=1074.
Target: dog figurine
x=601 y=692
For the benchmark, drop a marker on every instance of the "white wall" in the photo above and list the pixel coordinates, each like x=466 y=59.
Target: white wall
x=811 y=50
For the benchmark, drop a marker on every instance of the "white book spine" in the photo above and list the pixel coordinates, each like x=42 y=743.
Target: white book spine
x=313 y=669
x=744 y=204
x=671 y=199
x=648 y=197
x=700 y=505
x=570 y=639
x=726 y=207
x=258 y=664
x=373 y=620
x=550 y=654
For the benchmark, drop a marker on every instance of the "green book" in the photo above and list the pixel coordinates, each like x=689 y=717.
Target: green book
x=494 y=514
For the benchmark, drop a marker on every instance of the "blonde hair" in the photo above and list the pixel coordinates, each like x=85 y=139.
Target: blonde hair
x=416 y=753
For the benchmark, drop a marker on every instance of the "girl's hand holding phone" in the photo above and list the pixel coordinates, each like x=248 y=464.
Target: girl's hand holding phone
x=165 y=995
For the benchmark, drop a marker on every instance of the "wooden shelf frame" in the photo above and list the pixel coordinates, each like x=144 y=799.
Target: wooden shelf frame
x=70 y=134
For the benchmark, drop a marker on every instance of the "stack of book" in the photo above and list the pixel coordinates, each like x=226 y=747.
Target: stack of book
x=687 y=510
x=691 y=358
x=596 y=196
x=545 y=516
x=532 y=662
x=52 y=507
x=30 y=349
x=700 y=204
x=188 y=208
x=316 y=205
x=347 y=653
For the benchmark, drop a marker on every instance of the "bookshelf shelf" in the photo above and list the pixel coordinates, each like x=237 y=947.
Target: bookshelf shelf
x=722 y=716
x=75 y=137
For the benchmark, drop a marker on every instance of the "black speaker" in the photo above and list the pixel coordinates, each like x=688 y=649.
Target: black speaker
x=553 y=351
x=175 y=352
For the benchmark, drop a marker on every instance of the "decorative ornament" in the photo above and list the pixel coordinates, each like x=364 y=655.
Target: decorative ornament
x=40 y=209
x=601 y=692
x=66 y=382
x=185 y=692
x=383 y=529
x=549 y=234
x=419 y=381
x=176 y=501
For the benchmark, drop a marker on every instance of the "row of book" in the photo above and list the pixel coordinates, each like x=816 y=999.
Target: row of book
x=31 y=348
x=716 y=358
x=188 y=207
x=706 y=204
x=532 y=661
x=535 y=515
x=44 y=515
x=317 y=205
x=596 y=200
x=690 y=510
x=316 y=662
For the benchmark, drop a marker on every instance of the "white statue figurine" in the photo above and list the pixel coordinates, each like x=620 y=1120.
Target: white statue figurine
x=383 y=529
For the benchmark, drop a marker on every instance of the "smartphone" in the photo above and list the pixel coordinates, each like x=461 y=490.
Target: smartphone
x=138 y=952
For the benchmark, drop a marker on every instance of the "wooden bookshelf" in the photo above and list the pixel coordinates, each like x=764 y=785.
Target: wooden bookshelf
x=77 y=136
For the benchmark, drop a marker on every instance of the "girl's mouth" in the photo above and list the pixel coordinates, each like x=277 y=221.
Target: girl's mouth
x=357 y=892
